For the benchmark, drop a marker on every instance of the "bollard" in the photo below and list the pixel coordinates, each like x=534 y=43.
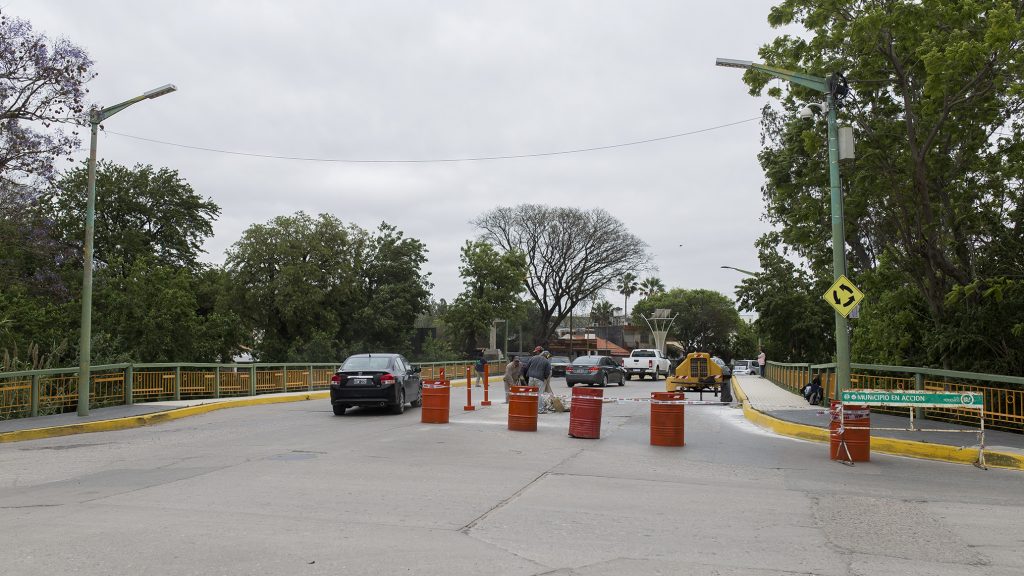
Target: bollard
x=585 y=413
x=667 y=419
x=436 y=401
x=522 y=409
x=487 y=377
x=469 y=390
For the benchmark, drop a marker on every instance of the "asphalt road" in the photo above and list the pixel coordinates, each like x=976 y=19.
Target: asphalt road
x=291 y=489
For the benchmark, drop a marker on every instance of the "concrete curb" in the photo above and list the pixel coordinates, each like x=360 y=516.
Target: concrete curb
x=151 y=419
x=910 y=448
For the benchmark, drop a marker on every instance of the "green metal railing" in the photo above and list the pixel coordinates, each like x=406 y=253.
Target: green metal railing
x=55 y=391
x=1004 y=395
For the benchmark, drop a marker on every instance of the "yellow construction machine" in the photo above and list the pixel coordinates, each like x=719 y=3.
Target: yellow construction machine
x=698 y=371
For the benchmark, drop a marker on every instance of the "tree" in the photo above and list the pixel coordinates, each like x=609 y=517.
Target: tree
x=706 y=320
x=627 y=286
x=492 y=282
x=314 y=289
x=651 y=286
x=42 y=84
x=936 y=191
x=142 y=213
x=571 y=254
x=163 y=313
x=795 y=322
x=602 y=313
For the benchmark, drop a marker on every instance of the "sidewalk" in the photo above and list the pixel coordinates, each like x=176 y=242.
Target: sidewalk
x=793 y=416
x=134 y=415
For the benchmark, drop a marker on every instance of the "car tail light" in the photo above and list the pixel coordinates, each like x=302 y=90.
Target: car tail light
x=650 y=363
x=386 y=379
x=336 y=379
x=593 y=369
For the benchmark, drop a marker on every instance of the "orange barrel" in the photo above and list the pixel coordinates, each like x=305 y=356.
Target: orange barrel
x=585 y=413
x=857 y=433
x=522 y=409
x=436 y=402
x=667 y=419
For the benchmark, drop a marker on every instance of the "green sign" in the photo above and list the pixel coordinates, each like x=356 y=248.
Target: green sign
x=917 y=399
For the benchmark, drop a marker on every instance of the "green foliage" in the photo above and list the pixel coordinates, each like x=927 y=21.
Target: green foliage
x=492 y=282
x=743 y=343
x=437 y=350
x=160 y=313
x=934 y=198
x=602 y=313
x=706 y=320
x=142 y=213
x=315 y=289
x=796 y=325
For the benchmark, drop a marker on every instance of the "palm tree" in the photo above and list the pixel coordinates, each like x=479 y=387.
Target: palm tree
x=651 y=286
x=627 y=286
x=602 y=313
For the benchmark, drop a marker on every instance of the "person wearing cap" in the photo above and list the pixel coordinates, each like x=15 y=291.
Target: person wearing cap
x=537 y=371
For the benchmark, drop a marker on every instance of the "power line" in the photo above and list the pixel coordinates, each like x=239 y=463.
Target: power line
x=435 y=160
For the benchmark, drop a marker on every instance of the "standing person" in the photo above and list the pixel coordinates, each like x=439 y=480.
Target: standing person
x=526 y=366
x=537 y=372
x=513 y=370
x=547 y=381
x=479 y=368
x=761 y=360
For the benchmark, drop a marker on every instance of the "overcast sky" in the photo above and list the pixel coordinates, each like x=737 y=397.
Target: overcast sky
x=379 y=80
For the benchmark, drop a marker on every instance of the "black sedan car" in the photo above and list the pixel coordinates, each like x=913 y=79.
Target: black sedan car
x=559 y=365
x=594 y=370
x=376 y=380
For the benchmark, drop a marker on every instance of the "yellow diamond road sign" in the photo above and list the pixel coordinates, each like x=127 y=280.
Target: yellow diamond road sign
x=843 y=296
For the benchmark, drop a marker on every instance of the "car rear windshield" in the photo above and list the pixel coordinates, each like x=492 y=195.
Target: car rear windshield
x=366 y=363
x=643 y=354
x=587 y=360
x=560 y=359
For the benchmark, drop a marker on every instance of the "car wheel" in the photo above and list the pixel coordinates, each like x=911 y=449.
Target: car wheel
x=419 y=401
x=604 y=381
x=622 y=380
x=339 y=409
x=400 y=407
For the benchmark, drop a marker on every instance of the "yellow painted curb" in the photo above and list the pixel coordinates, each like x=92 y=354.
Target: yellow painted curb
x=151 y=419
x=911 y=448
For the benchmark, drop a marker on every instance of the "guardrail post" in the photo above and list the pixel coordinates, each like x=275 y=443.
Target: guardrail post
x=216 y=384
x=309 y=378
x=252 y=379
x=35 y=396
x=129 y=385
x=177 y=382
x=284 y=379
x=918 y=385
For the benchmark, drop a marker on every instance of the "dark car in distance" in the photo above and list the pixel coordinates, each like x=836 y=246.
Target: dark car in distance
x=592 y=370
x=559 y=365
x=376 y=380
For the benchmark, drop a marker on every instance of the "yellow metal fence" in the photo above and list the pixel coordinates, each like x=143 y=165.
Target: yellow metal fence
x=1004 y=401
x=43 y=392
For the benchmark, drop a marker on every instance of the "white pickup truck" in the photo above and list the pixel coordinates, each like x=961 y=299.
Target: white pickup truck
x=646 y=362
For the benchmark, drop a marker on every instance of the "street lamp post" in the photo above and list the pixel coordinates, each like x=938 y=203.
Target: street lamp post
x=829 y=87
x=747 y=272
x=85 y=338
